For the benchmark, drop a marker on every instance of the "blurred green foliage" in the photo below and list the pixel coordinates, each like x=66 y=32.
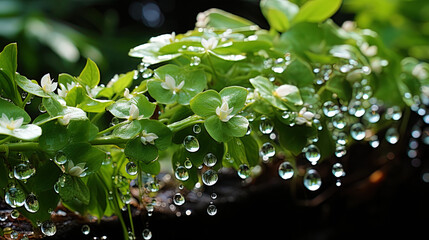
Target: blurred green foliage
x=402 y=24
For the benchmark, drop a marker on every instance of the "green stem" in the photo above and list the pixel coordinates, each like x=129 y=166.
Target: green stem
x=320 y=91
x=97 y=116
x=131 y=219
x=22 y=146
x=189 y=121
x=108 y=141
x=8 y=138
x=29 y=95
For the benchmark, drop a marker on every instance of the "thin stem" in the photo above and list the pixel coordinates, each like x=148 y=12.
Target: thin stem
x=131 y=219
x=5 y=139
x=22 y=146
x=29 y=95
x=189 y=121
x=321 y=90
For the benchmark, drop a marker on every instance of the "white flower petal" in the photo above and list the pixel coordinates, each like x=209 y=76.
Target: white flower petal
x=134 y=112
x=285 y=90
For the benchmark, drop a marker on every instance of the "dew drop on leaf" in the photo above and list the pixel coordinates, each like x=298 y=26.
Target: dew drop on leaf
x=23 y=171
x=191 y=143
x=14 y=214
x=266 y=126
x=31 y=203
x=286 y=170
x=267 y=150
x=312 y=180
x=15 y=197
x=131 y=168
x=357 y=131
x=181 y=173
x=60 y=158
x=392 y=135
x=210 y=160
x=330 y=109
x=196 y=128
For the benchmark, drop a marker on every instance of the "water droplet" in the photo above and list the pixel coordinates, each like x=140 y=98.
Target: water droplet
x=340 y=150
x=357 y=131
x=267 y=151
x=211 y=209
x=338 y=170
x=279 y=65
x=147 y=73
x=312 y=180
x=3 y=216
x=181 y=173
x=48 y=228
x=289 y=116
x=330 y=109
x=14 y=235
x=366 y=92
x=372 y=115
x=178 y=199
x=15 y=197
x=266 y=126
x=210 y=160
x=14 y=214
x=131 y=168
x=196 y=128
x=286 y=170
x=393 y=113
x=60 y=158
x=213 y=196
x=85 y=229
x=340 y=138
x=312 y=153
x=243 y=171
x=392 y=135
x=209 y=177
x=355 y=108
x=23 y=171
x=187 y=163
x=147 y=234
x=195 y=61
x=373 y=141
x=339 y=121
x=191 y=143
x=31 y=203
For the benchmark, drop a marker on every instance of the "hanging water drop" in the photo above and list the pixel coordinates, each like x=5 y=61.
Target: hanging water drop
x=267 y=150
x=131 y=168
x=14 y=214
x=357 y=131
x=372 y=115
x=23 y=171
x=356 y=109
x=187 y=163
x=339 y=121
x=312 y=153
x=178 y=199
x=330 y=109
x=266 y=126
x=195 y=61
x=31 y=203
x=243 y=171
x=209 y=177
x=211 y=209
x=340 y=150
x=147 y=73
x=15 y=197
x=147 y=234
x=181 y=173
x=191 y=143
x=196 y=128
x=48 y=228
x=286 y=170
x=60 y=158
x=210 y=160
x=338 y=170
x=85 y=229
x=392 y=135
x=373 y=141
x=279 y=65
x=312 y=180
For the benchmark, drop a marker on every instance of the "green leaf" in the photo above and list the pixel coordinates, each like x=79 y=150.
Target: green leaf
x=194 y=82
x=123 y=81
x=85 y=153
x=341 y=87
x=137 y=151
x=90 y=75
x=121 y=108
x=252 y=150
x=4 y=175
x=150 y=52
x=294 y=138
x=220 y=19
x=224 y=131
x=98 y=195
x=163 y=132
x=279 y=13
x=54 y=137
x=30 y=86
x=128 y=131
x=237 y=152
x=235 y=96
x=45 y=177
x=298 y=73
x=74 y=189
x=81 y=131
x=8 y=61
x=152 y=168
x=317 y=10
x=178 y=159
x=13 y=111
x=265 y=89
x=204 y=104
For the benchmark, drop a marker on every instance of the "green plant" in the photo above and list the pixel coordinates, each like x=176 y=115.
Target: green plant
x=226 y=94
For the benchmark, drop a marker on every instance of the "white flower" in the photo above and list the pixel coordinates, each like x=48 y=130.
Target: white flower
x=285 y=90
x=75 y=171
x=65 y=120
x=224 y=111
x=369 y=51
x=127 y=94
x=419 y=72
x=47 y=84
x=170 y=84
x=209 y=44
x=148 y=137
x=304 y=117
x=164 y=38
x=10 y=123
x=349 y=26
x=134 y=112
x=65 y=89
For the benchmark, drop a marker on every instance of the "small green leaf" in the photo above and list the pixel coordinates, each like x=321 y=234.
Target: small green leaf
x=220 y=19
x=8 y=61
x=85 y=153
x=317 y=10
x=54 y=137
x=204 y=104
x=152 y=168
x=137 y=151
x=235 y=96
x=224 y=131
x=13 y=111
x=163 y=132
x=237 y=152
x=128 y=131
x=265 y=89
x=150 y=52
x=279 y=13
x=123 y=81
x=30 y=86
x=74 y=189
x=98 y=198
x=81 y=131
x=90 y=75
x=121 y=108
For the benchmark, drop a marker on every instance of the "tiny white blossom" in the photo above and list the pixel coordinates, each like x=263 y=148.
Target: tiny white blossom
x=224 y=111
x=64 y=90
x=127 y=94
x=10 y=123
x=170 y=84
x=349 y=26
x=285 y=90
x=47 y=84
x=304 y=117
x=65 y=120
x=209 y=44
x=134 y=112
x=75 y=170
x=367 y=50
x=148 y=137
